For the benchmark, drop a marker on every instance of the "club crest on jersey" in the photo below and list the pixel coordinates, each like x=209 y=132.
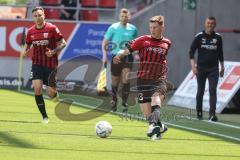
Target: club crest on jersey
x=45 y=35
x=214 y=41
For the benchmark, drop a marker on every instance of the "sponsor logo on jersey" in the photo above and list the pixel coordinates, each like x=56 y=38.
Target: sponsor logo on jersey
x=41 y=42
x=157 y=50
x=209 y=47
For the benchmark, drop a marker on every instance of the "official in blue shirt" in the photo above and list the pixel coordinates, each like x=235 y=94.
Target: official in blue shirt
x=116 y=36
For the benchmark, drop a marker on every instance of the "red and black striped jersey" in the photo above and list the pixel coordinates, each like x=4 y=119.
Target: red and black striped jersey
x=41 y=39
x=153 y=56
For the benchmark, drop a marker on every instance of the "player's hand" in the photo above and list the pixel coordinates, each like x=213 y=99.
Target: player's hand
x=116 y=59
x=25 y=53
x=49 y=52
x=136 y=57
x=221 y=74
x=104 y=59
x=194 y=70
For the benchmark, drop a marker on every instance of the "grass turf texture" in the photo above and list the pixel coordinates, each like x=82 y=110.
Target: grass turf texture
x=23 y=136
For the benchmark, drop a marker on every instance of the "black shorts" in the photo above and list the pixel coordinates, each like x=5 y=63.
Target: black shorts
x=146 y=88
x=47 y=75
x=126 y=62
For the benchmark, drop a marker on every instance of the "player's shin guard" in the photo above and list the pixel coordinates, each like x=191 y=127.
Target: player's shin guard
x=125 y=92
x=41 y=105
x=154 y=118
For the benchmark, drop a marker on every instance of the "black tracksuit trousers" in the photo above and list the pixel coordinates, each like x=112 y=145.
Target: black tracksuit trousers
x=212 y=74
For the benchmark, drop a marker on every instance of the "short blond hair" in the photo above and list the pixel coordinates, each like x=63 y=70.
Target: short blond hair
x=157 y=19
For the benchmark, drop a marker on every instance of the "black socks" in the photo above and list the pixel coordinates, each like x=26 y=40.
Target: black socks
x=41 y=105
x=125 y=92
x=114 y=92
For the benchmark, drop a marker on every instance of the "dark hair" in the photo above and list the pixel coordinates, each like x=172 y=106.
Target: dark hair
x=211 y=18
x=37 y=8
x=124 y=10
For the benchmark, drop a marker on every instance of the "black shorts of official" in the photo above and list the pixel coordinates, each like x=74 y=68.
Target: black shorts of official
x=146 y=88
x=47 y=75
x=126 y=62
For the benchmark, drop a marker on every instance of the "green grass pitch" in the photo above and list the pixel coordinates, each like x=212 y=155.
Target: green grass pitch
x=23 y=136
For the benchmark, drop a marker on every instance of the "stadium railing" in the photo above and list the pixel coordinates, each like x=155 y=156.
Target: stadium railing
x=88 y=10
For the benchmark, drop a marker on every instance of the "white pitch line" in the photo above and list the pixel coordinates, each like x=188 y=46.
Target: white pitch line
x=192 y=129
x=170 y=124
x=218 y=123
x=207 y=132
x=223 y=124
x=179 y=126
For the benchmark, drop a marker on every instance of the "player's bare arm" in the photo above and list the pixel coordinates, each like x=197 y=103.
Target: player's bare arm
x=60 y=46
x=104 y=51
x=118 y=57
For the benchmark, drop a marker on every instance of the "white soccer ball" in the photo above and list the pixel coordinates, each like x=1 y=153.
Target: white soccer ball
x=103 y=129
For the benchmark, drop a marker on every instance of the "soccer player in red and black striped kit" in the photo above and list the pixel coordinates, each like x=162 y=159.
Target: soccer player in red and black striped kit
x=47 y=41
x=151 y=75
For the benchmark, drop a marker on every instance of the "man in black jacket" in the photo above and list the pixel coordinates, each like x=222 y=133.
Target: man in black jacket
x=68 y=14
x=210 y=53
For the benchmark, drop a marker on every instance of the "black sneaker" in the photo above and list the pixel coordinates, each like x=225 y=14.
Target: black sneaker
x=158 y=136
x=113 y=105
x=153 y=131
x=213 y=118
x=125 y=107
x=199 y=115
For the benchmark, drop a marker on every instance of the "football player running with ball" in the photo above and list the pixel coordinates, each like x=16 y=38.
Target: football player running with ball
x=151 y=75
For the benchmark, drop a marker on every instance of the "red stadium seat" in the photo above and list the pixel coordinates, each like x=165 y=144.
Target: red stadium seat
x=89 y=15
x=51 y=13
x=107 y=4
x=88 y=3
x=50 y=2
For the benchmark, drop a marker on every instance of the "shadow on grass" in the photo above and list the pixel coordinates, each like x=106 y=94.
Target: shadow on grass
x=81 y=135
x=123 y=138
x=13 y=121
x=133 y=152
x=14 y=141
